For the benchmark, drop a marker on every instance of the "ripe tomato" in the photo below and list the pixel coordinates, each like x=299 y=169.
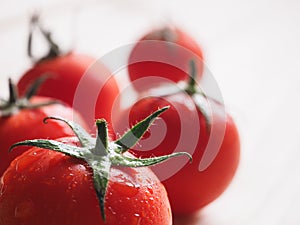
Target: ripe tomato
x=189 y=189
x=28 y=124
x=48 y=188
x=74 y=78
x=209 y=136
x=161 y=56
x=67 y=73
x=25 y=121
x=83 y=179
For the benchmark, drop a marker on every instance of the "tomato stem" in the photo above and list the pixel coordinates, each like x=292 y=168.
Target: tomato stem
x=199 y=97
x=191 y=88
x=102 y=138
x=54 y=49
x=168 y=34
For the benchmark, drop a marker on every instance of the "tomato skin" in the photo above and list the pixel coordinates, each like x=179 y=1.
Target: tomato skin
x=28 y=124
x=163 y=53
x=66 y=73
x=189 y=189
x=44 y=187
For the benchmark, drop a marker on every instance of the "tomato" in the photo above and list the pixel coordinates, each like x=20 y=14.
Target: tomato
x=48 y=188
x=162 y=56
x=74 y=78
x=195 y=123
x=189 y=189
x=67 y=73
x=26 y=122
x=84 y=181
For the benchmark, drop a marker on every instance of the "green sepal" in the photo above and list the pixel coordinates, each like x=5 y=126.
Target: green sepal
x=34 y=87
x=101 y=170
x=13 y=91
x=16 y=103
x=132 y=136
x=53 y=145
x=84 y=138
x=121 y=160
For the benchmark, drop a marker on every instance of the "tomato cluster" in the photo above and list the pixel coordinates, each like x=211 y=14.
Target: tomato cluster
x=196 y=123
x=55 y=172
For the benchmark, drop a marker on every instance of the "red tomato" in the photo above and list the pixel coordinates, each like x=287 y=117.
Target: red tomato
x=161 y=56
x=28 y=124
x=189 y=189
x=70 y=82
x=44 y=187
x=84 y=180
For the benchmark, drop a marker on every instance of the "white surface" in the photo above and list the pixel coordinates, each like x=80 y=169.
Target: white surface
x=253 y=50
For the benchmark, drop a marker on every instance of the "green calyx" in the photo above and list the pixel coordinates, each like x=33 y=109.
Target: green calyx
x=16 y=103
x=53 y=50
x=100 y=153
x=166 y=33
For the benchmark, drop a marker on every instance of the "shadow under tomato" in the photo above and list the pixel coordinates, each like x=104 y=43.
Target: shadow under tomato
x=194 y=219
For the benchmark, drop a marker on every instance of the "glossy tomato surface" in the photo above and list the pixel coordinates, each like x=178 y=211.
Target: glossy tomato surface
x=28 y=124
x=78 y=80
x=185 y=129
x=44 y=187
x=163 y=55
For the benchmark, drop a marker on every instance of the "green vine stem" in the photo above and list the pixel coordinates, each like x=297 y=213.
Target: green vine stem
x=53 y=48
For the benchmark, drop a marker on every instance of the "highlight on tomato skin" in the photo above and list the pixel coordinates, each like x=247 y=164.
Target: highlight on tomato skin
x=164 y=54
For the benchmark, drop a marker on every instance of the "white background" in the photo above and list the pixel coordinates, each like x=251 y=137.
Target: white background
x=253 y=51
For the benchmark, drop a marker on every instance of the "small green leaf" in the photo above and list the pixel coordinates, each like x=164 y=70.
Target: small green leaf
x=121 y=160
x=52 y=145
x=131 y=137
x=84 y=138
x=16 y=103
